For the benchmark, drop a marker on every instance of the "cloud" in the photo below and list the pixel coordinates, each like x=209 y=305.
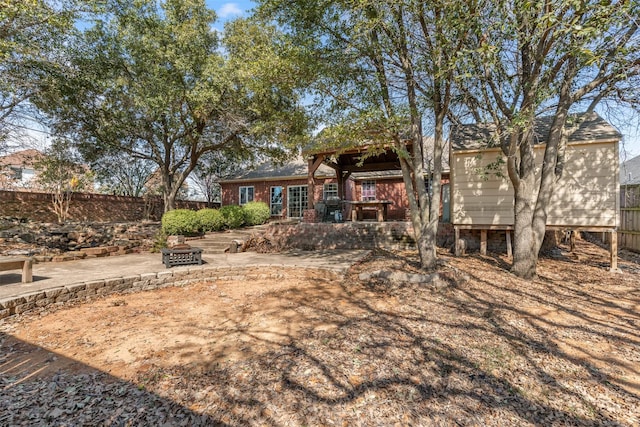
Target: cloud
x=229 y=9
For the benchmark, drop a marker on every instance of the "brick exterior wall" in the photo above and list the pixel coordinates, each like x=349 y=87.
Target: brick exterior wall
x=386 y=189
x=262 y=191
x=87 y=207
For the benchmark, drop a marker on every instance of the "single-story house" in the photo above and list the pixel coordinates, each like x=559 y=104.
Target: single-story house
x=630 y=171
x=17 y=169
x=285 y=188
x=586 y=197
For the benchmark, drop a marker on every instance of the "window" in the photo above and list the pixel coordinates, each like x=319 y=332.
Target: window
x=297 y=200
x=27 y=175
x=17 y=173
x=276 y=201
x=368 y=190
x=446 y=203
x=330 y=192
x=246 y=195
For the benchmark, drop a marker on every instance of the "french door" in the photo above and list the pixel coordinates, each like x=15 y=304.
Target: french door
x=296 y=200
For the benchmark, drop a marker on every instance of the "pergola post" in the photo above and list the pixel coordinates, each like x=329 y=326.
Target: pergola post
x=314 y=164
x=341 y=178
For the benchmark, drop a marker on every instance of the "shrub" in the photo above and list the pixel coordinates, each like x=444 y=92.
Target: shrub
x=256 y=213
x=210 y=220
x=233 y=216
x=159 y=241
x=181 y=221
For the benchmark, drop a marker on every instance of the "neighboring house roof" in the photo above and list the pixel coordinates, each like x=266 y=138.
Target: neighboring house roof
x=295 y=169
x=23 y=159
x=427 y=150
x=593 y=128
x=630 y=171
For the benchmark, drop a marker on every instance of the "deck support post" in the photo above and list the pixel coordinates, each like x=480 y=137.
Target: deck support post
x=614 y=250
x=509 y=250
x=456 y=245
x=483 y=242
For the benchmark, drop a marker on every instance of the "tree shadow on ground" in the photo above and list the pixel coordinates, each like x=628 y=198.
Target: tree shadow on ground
x=383 y=353
x=486 y=349
x=41 y=387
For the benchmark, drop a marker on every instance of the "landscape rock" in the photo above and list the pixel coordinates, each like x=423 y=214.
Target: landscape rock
x=27 y=238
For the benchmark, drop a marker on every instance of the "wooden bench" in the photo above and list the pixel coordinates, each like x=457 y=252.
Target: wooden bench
x=19 y=263
x=171 y=257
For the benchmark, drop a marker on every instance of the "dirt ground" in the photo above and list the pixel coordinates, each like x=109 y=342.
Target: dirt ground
x=476 y=347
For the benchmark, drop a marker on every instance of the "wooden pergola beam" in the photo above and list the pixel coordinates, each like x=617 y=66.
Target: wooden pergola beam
x=372 y=167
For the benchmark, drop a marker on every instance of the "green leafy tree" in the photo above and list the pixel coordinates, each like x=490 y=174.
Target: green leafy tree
x=152 y=80
x=32 y=33
x=384 y=70
x=533 y=58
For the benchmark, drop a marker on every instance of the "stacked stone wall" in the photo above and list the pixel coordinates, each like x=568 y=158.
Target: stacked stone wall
x=350 y=235
x=85 y=291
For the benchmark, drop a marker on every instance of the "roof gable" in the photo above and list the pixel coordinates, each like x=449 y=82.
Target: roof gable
x=23 y=158
x=479 y=136
x=296 y=168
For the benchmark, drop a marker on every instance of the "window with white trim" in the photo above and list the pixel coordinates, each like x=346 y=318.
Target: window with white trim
x=368 y=190
x=330 y=191
x=246 y=195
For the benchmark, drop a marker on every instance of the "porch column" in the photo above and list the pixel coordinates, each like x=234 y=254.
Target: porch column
x=341 y=177
x=314 y=164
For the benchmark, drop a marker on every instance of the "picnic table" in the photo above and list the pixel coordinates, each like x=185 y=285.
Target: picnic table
x=379 y=205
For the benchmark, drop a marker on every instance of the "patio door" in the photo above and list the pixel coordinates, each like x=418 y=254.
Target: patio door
x=296 y=200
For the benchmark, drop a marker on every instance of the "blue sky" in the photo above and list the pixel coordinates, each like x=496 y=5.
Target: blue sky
x=227 y=11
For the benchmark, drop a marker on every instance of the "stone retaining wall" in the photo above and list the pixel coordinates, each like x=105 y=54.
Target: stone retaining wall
x=85 y=291
x=350 y=235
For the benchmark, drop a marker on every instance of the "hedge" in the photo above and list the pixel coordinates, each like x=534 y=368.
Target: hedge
x=181 y=221
x=256 y=213
x=210 y=220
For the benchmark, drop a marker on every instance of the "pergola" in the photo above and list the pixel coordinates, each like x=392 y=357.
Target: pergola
x=347 y=161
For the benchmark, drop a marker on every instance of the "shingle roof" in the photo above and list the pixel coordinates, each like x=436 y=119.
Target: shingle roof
x=23 y=158
x=296 y=168
x=630 y=171
x=477 y=136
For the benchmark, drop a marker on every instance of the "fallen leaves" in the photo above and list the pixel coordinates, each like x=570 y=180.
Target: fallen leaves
x=484 y=348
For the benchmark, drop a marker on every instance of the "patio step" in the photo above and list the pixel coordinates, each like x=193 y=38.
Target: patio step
x=218 y=242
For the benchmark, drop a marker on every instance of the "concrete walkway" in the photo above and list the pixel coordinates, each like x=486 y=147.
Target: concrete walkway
x=55 y=274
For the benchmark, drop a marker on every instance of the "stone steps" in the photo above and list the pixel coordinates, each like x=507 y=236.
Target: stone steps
x=218 y=242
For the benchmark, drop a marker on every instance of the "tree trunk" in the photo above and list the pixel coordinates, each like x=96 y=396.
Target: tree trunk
x=524 y=247
x=168 y=192
x=525 y=255
x=169 y=201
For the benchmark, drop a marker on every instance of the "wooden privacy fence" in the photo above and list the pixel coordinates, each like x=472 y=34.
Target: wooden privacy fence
x=629 y=232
